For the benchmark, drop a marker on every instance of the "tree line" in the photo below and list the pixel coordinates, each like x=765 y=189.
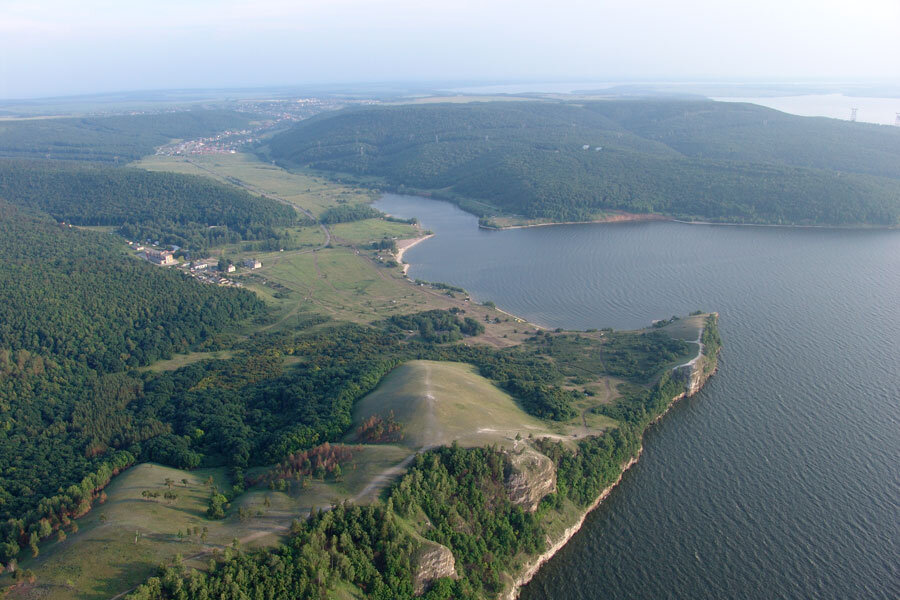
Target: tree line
x=184 y=210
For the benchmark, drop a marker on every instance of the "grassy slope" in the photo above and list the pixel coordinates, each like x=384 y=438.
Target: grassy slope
x=439 y=402
x=372 y=230
x=103 y=560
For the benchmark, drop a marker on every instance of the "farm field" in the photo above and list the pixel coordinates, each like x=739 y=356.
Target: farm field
x=372 y=230
x=304 y=190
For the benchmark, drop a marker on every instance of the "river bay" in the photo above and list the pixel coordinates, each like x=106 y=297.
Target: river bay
x=781 y=478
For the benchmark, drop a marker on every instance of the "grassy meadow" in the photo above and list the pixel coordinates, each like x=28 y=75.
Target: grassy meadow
x=305 y=190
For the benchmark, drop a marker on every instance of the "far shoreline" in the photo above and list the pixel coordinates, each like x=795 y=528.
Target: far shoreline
x=657 y=218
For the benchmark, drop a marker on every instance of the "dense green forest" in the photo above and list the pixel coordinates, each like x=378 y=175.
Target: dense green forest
x=75 y=313
x=112 y=139
x=184 y=210
x=346 y=213
x=564 y=161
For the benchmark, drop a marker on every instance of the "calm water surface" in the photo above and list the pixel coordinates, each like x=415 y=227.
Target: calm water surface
x=781 y=479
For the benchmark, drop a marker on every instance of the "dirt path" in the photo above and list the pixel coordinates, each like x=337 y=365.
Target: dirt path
x=431 y=432
x=384 y=478
x=694 y=360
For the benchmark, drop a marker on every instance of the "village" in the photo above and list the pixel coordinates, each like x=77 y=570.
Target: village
x=276 y=114
x=207 y=270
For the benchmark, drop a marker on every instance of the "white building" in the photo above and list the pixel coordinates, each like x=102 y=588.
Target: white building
x=158 y=257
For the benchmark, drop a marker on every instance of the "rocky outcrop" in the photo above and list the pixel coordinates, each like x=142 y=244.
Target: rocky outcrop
x=554 y=545
x=694 y=374
x=532 y=476
x=432 y=562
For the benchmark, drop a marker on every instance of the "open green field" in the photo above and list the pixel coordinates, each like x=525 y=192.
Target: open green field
x=305 y=190
x=372 y=230
x=347 y=284
x=334 y=281
x=183 y=360
x=122 y=541
x=686 y=328
x=304 y=238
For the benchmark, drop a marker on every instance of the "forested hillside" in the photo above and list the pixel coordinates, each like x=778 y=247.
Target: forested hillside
x=185 y=210
x=565 y=161
x=118 y=139
x=74 y=313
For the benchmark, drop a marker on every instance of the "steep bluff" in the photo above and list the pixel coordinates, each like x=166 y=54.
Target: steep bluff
x=432 y=562
x=531 y=477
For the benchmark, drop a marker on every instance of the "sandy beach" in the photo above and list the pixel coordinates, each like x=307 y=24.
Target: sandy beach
x=404 y=245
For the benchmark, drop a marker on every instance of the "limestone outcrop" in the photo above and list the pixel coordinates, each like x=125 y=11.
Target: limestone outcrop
x=532 y=477
x=432 y=562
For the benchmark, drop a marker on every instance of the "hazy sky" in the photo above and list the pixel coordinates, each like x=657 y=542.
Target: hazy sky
x=56 y=47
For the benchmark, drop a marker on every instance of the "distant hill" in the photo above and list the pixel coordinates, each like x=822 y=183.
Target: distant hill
x=120 y=138
x=692 y=159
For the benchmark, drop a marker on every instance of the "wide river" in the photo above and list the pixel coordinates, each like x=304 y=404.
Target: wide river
x=781 y=478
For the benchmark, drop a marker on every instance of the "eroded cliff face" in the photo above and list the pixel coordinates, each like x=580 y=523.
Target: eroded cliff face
x=432 y=562
x=693 y=377
x=532 y=477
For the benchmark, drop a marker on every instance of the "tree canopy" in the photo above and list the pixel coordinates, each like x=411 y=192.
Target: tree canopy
x=184 y=210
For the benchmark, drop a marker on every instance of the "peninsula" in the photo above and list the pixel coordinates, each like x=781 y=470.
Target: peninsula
x=280 y=404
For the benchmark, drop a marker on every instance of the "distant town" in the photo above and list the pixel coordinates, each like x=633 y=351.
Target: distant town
x=275 y=114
